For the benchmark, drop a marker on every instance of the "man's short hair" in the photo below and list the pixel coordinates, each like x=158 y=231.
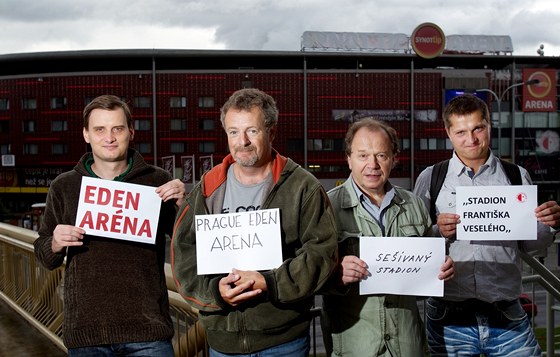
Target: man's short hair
x=465 y=104
x=107 y=102
x=371 y=124
x=249 y=98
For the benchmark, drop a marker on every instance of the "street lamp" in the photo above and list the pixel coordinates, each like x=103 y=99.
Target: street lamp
x=499 y=103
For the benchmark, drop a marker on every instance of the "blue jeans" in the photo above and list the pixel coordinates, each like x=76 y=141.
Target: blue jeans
x=132 y=349
x=473 y=327
x=296 y=348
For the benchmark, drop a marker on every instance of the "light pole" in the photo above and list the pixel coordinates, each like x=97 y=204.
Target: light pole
x=499 y=103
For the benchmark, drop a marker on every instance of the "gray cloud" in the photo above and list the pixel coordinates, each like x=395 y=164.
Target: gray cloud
x=260 y=24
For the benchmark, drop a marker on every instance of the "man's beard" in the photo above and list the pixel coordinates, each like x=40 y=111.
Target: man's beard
x=246 y=161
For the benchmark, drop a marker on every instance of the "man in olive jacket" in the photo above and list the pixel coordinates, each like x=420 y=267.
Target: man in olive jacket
x=254 y=311
x=368 y=205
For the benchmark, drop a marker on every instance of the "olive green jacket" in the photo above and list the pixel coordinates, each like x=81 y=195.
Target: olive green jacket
x=309 y=250
x=373 y=325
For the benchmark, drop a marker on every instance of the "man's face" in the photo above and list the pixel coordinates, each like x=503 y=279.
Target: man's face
x=470 y=136
x=371 y=160
x=108 y=134
x=248 y=140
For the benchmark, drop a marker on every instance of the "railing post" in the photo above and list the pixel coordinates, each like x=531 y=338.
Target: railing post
x=549 y=325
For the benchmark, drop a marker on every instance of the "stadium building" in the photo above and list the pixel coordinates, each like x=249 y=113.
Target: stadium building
x=176 y=97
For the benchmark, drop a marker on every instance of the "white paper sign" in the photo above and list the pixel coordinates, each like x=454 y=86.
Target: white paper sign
x=497 y=212
x=402 y=265
x=119 y=210
x=243 y=240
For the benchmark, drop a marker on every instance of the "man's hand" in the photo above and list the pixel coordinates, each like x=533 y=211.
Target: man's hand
x=174 y=189
x=549 y=213
x=236 y=292
x=65 y=236
x=447 y=269
x=353 y=269
x=447 y=223
x=248 y=275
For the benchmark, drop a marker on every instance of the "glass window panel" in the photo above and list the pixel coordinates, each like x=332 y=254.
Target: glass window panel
x=178 y=124
x=178 y=102
x=142 y=124
x=177 y=148
x=59 y=125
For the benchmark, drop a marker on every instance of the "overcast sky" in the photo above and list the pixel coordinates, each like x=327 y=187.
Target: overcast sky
x=62 y=25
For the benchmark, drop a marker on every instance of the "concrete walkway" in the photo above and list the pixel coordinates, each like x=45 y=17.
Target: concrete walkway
x=18 y=338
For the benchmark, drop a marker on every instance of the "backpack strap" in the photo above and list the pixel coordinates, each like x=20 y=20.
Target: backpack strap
x=512 y=172
x=438 y=176
x=439 y=172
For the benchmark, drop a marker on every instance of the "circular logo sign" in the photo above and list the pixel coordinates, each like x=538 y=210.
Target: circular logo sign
x=428 y=40
x=541 y=89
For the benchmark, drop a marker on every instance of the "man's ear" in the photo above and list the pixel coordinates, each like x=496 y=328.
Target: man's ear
x=272 y=133
x=85 y=134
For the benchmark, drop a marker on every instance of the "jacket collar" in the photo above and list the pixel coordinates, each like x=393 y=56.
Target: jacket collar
x=218 y=174
x=350 y=198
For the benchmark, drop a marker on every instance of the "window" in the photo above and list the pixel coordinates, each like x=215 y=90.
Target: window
x=315 y=144
x=59 y=125
x=177 y=148
x=207 y=147
x=59 y=149
x=29 y=126
x=28 y=103
x=207 y=124
x=178 y=124
x=432 y=144
x=4 y=126
x=324 y=144
x=142 y=102
x=405 y=144
x=142 y=124
x=206 y=102
x=88 y=100
x=178 y=102
x=143 y=148
x=295 y=145
x=5 y=149
x=30 y=149
x=4 y=104
x=58 y=102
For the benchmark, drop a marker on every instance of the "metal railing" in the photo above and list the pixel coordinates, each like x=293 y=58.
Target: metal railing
x=36 y=294
x=551 y=283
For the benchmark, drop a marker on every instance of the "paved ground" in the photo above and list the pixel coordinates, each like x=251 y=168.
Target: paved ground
x=19 y=339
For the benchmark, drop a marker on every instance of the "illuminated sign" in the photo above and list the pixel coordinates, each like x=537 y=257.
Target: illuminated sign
x=539 y=97
x=428 y=40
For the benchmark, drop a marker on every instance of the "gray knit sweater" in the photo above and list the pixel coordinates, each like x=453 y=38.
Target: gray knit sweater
x=114 y=290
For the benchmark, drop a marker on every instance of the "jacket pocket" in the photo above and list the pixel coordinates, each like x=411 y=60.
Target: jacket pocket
x=412 y=230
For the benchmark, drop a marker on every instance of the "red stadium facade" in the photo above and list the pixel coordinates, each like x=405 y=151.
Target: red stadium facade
x=176 y=96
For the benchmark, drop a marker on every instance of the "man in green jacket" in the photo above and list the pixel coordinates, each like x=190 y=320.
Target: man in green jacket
x=265 y=311
x=366 y=204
